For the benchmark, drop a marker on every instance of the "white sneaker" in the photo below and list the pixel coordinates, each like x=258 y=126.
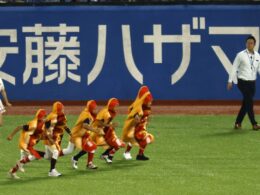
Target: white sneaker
x=91 y=166
x=47 y=157
x=102 y=157
x=54 y=173
x=12 y=175
x=109 y=161
x=127 y=155
x=106 y=158
x=74 y=163
x=20 y=166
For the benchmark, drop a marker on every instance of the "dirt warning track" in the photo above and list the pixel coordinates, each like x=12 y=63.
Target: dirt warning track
x=165 y=109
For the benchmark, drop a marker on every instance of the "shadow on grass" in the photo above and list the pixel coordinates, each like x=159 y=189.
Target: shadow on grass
x=122 y=164
x=228 y=133
x=116 y=165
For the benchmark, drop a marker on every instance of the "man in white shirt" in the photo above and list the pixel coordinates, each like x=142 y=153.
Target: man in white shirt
x=4 y=95
x=244 y=73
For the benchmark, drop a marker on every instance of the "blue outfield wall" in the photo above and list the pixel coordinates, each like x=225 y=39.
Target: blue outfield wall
x=98 y=52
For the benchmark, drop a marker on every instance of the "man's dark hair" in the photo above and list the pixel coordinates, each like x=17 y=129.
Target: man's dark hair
x=251 y=37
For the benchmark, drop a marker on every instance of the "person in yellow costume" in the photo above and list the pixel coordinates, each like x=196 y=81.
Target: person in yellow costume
x=141 y=135
x=141 y=92
x=81 y=136
x=31 y=134
x=104 y=120
x=134 y=130
x=55 y=125
x=60 y=126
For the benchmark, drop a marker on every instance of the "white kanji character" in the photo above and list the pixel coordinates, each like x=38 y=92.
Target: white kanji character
x=12 y=34
x=157 y=39
x=34 y=59
x=102 y=35
x=129 y=60
x=59 y=56
x=55 y=49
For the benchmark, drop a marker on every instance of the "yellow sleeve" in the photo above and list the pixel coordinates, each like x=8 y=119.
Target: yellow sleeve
x=52 y=117
x=136 y=111
x=107 y=117
x=82 y=117
x=32 y=125
x=104 y=116
x=77 y=130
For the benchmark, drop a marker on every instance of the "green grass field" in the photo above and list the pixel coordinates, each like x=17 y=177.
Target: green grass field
x=191 y=155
